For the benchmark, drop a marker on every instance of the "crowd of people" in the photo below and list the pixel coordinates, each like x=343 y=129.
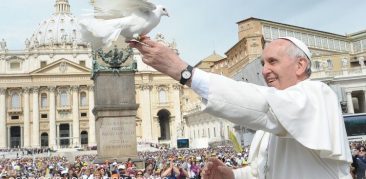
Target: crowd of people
x=20 y=152
x=165 y=163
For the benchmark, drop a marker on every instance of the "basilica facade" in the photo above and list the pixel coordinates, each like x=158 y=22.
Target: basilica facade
x=46 y=95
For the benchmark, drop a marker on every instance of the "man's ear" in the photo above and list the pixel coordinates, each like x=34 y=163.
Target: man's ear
x=301 y=66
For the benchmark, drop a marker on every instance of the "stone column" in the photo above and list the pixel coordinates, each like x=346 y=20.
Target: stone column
x=52 y=118
x=35 y=131
x=3 y=141
x=177 y=113
x=75 y=116
x=146 y=112
x=26 y=119
x=92 y=138
x=349 y=102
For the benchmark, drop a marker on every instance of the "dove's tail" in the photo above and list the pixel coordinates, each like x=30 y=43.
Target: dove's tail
x=112 y=38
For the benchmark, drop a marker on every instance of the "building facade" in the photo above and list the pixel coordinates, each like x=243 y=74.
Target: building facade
x=47 y=96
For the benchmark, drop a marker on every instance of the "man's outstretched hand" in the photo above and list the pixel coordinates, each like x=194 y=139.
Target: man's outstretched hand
x=160 y=57
x=216 y=169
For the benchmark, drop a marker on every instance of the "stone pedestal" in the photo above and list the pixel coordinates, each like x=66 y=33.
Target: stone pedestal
x=115 y=114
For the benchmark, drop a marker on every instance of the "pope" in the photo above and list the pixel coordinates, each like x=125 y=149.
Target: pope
x=300 y=128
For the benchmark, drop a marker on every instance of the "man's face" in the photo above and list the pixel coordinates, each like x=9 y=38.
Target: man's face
x=362 y=152
x=280 y=70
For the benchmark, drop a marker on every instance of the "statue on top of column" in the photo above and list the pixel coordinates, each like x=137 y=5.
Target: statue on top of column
x=36 y=43
x=3 y=45
x=64 y=38
x=344 y=62
x=74 y=43
x=27 y=43
x=361 y=61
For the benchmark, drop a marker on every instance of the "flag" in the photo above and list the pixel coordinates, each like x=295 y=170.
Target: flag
x=236 y=144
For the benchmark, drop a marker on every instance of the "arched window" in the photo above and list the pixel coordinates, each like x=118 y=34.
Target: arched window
x=44 y=100
x=164 y=123
x=15 y=101
x=63 y=98
x=83 y=101
x=162 y=96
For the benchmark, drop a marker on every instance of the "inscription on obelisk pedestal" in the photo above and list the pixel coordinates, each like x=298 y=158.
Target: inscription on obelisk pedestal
x=118 y=137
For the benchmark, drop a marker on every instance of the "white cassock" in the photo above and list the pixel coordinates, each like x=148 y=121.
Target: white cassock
x=300 y=130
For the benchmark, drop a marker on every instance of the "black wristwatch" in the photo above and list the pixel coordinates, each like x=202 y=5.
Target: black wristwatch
x=185 y=75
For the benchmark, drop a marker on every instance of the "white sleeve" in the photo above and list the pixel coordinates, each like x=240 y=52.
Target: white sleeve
x=200 y=82
x=243 y=173
x=240 y=103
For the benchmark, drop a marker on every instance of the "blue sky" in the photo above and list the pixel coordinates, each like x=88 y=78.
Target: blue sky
x=200 y=26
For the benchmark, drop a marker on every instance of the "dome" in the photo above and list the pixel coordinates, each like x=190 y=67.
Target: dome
x=61 y=28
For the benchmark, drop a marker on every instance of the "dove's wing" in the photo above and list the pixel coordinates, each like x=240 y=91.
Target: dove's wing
x=110 y=9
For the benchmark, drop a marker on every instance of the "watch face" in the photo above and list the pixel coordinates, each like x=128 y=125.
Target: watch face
x=186 y=74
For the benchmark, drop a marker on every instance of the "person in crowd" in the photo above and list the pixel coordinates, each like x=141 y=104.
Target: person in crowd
x=122 y=172
x=64 y=174
x=157 y=174
x=130 y=163
x=115 y=175
x=76 y=172
x=298 y=120
x=139 y=174
x=171 y=171
x=183 y=174
x=194 y=169
x=360 y=161
x=149 y=170
x=85 y=173
x=96 y=175
x=103 y=173
x=72 y=172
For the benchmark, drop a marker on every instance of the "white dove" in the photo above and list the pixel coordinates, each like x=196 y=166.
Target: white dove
x=129 y=18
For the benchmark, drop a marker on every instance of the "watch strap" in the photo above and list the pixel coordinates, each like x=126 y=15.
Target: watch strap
x=182 y=80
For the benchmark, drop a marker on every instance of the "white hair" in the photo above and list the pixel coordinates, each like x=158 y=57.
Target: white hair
x=296 y=52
